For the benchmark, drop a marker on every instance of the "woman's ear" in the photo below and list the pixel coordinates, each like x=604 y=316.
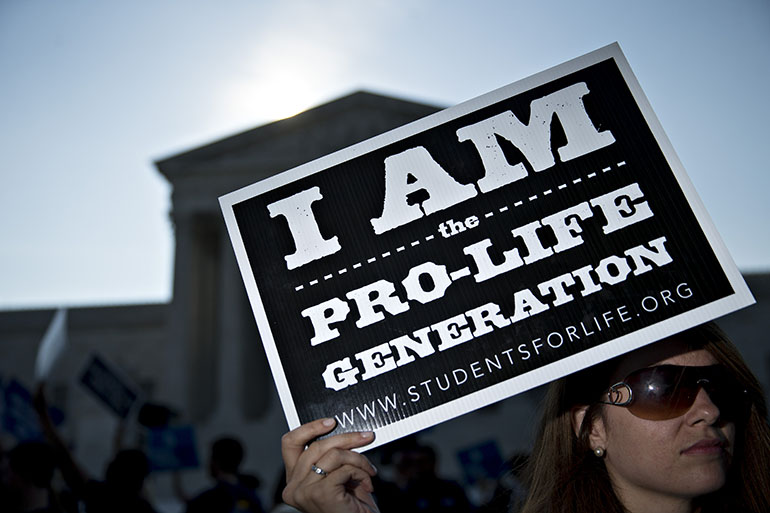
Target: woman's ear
x=577 y=414
x=597 y=432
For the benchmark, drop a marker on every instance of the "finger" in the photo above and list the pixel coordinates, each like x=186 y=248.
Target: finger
x=332 y=492
x=345 y=441
x=293 y=443
x=316 y=450
x=319 y=448
x=336 y=458
x=346 y=480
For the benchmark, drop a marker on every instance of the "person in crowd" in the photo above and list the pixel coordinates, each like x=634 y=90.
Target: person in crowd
x=417 y=487
x=679 y=425
x=121 y=491
x=510 y=490
x=231 y=493
x=26 y=472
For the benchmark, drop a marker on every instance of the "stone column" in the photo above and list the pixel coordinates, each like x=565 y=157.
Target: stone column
x=194 y=313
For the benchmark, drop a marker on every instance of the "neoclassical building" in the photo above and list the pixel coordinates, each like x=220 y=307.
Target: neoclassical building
x=200 y=353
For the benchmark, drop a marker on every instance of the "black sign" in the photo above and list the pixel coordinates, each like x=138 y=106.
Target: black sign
x=107 y=385
x=479 y=252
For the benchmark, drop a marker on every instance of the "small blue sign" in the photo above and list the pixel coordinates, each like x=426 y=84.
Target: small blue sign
x=19 y=417
x=172 y=448
x=482 y=461
x=17 y=413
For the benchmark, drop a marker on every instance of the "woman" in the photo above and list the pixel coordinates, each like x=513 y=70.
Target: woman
x=676 y=426
x=687 y=454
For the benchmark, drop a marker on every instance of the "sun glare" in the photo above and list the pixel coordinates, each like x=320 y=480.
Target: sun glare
x=278 y=87
x=294 y=66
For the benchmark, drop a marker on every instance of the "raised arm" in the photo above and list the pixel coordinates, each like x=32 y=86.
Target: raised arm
x=73 y=474
x=327 y=476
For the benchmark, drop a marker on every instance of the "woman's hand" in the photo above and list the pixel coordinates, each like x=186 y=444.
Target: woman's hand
x=344 y=486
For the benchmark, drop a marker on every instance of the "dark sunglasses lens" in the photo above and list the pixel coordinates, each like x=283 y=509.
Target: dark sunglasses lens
x=668 y=391
x=661 y=393
x=727 y=394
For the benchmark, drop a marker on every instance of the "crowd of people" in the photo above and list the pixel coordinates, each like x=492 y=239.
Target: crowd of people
x=42 y=476
x=27 y=484
x=29 y=469
x=680 y=425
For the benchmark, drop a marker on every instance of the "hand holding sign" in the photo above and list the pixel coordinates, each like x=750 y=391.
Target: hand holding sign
x=328 y=475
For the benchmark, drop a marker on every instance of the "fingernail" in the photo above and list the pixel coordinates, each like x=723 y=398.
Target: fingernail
x=374 y=468
x=328 y=422
x=367 y=434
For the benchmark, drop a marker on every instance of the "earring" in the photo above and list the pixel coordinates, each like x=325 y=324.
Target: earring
x=599 y=452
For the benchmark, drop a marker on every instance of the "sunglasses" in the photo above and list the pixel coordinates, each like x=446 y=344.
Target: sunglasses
x=668 y=391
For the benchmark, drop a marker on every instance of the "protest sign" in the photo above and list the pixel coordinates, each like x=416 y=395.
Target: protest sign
x=478 y=252
x=172 y=448
x=18 y=416
x=109 y=385
x=52 y=345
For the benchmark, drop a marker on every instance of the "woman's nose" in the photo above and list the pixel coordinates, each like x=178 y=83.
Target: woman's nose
x=703 y=409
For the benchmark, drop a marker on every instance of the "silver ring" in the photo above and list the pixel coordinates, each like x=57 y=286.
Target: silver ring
x=319 y=470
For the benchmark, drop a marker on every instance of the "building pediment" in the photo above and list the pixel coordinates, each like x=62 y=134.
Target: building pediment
x=242 y=159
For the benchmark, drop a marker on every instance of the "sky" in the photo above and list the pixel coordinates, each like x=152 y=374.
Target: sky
x=93 y=93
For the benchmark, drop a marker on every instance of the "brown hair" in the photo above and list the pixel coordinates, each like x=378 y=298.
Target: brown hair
x=564 y=476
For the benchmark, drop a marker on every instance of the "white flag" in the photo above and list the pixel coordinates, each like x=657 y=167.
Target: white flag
x=52 y=345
